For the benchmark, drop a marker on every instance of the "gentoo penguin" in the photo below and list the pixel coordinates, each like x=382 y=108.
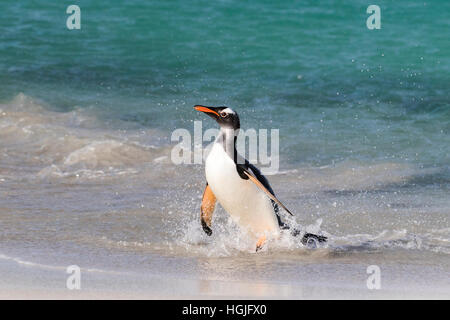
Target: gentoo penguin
x=239 y=186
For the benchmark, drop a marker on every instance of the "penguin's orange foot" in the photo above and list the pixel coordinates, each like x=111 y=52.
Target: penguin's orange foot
x=260 y=243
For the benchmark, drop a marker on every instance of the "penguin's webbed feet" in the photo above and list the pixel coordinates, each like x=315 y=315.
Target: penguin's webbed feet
x=206 y=228
x=260 y=243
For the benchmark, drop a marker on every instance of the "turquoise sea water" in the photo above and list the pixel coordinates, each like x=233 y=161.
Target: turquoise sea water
x=364 y=117
x=379 y=93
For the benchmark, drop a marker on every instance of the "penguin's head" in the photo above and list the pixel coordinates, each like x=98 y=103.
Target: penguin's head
x=225 y=117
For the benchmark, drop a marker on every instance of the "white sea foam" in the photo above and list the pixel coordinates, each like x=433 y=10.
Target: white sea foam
x=48 y=266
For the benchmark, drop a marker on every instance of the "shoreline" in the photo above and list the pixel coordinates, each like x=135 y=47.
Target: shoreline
x=315 y=281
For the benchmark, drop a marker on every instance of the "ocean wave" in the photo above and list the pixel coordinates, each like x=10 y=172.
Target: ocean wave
x=393 y=239
x=70 y=144
x=356 y=176
x=108 y=153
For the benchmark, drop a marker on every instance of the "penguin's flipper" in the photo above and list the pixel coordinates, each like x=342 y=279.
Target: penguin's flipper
x=263 y=188
x=207 y=209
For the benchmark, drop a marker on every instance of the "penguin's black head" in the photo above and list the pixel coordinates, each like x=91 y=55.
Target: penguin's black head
x=225 y=117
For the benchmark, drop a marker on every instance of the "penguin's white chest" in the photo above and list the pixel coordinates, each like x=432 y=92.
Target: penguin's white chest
x=248 y=206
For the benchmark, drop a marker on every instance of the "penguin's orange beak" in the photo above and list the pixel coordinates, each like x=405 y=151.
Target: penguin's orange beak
x=206 y=109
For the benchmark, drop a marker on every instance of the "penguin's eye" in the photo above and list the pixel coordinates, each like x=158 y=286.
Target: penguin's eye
x=223 y=114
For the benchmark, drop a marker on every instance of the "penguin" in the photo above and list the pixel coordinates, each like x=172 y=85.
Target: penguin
x=239 y=186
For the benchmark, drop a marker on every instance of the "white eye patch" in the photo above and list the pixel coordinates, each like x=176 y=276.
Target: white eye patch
x=228 y=111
